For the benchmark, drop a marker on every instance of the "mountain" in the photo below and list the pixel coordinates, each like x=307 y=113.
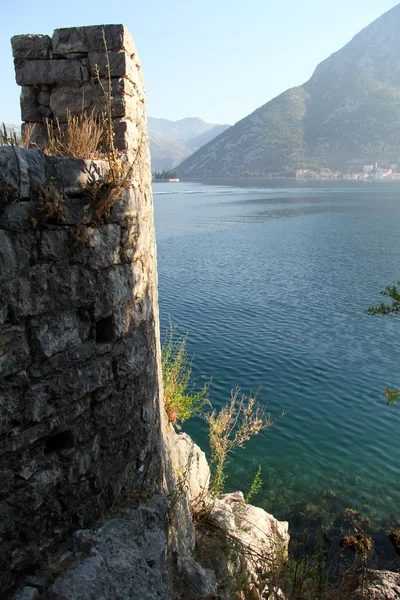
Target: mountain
x=173 y=141
x=347 y=113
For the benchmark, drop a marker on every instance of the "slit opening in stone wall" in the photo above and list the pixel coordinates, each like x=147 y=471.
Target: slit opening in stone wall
x=59 y=441
x=105 y=330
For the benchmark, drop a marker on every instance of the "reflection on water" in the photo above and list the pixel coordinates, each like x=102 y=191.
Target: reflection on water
x=272 y=285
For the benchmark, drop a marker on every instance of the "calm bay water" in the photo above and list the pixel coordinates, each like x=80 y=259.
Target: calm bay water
x=271 y=284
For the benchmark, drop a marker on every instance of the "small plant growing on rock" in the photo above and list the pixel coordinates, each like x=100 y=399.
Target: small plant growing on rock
x=237 y=422
x=51 y=204
x=181 y=399
x=256 y=485
x=8 y=193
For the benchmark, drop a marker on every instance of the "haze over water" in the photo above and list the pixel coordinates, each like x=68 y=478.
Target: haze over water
x=272 y=285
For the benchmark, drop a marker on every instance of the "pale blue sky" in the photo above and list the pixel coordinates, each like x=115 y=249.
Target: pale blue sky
x=216 y=59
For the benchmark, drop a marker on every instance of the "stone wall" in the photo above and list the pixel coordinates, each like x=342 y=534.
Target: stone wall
x=79 y=347
x=64 y=73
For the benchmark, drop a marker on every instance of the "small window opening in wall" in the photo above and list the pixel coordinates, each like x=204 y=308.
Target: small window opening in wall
x=59 y=441
x=105 y=330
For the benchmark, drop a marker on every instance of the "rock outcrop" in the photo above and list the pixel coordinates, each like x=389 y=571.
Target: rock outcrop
x=378 y=585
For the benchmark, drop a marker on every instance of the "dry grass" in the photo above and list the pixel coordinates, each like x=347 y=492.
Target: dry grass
x=51 y=205
x=9 y=139
x=237 y=422
x=8 y=193
x=82 y=137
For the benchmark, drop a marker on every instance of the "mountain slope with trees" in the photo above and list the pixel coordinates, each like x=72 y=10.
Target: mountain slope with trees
x=347 y=113
x=173 y=141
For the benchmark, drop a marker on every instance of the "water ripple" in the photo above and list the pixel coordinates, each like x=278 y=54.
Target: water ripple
x=272 y=285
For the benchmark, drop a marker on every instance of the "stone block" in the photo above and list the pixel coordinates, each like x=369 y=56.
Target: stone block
x=6 y=481
x=75 y=98
x=69 y=40
x=74 y=175
x=115 y=286
x=29 y=105
x=17 y=217
x=43 y=99
x=32 y=294
x=45 y=112
x=121 y=65
x=12 y=390
x=89 y=97
x=101 y=248
x=14 y=349
x=54 y=333
x=31 y=46
x=28 y=593
x=79 y=382
x=134 y=354
x=16 y=251
x=35 y=72
x=126 y=135
x=55 y=244
x=127 y=208
x=24 y=169
x=73 y=286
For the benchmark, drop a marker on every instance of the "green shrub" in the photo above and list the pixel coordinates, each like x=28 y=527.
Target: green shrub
x=181 y=399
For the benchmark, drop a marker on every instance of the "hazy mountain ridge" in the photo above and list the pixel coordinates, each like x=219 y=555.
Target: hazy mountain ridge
x=348 y=111
x=173 y=141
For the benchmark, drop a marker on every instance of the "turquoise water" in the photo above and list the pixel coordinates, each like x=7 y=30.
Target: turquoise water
x=272 y=284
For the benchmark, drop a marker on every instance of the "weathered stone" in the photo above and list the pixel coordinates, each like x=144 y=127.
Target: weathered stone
x=378 y=585
x=117 y=288
x=256 y=533
x=45 y=112
x=34 y=72
x=18 y=217
x=89 y=97
x=29 y=105
x=28 y=593
x=190 y=462
x=55 y=333
x=12 y=390
x=194 y=580
x=24 y=169
x=101 y=247
x=17 y=250
x=14 y=350
x=74 y=99
x=74 y=175
x=128 y=560
x=6 y=481
x=121 y=65
x=43 y=98
x=87 y=39
x=55 y=245
x=32 y=291
x=31 y=46
x=127 y=136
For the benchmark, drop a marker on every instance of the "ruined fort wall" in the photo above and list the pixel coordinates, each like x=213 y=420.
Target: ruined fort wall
x=79 y=347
